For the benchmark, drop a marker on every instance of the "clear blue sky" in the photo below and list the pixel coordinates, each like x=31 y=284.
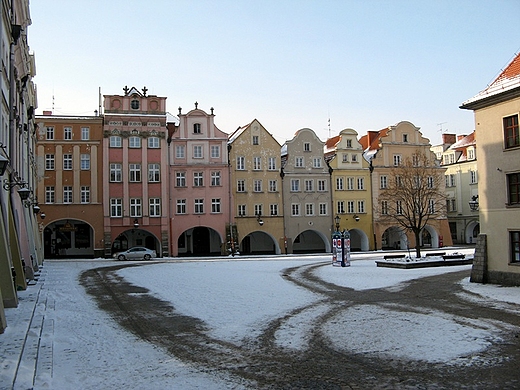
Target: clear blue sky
x=364 y=64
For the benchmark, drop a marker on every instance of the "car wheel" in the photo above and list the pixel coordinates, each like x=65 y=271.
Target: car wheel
x=147 y=257
x=121 y=257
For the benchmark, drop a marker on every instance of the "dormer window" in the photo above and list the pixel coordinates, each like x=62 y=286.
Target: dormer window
x=196 y=128
x=134 y=104
x=349 y=143
x=307 y=147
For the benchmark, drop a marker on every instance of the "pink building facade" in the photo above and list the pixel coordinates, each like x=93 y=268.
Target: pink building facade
x=135 y=173
x=199 y=182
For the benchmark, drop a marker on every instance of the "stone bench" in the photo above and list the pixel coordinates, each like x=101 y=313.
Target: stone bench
x=386 y=257
x=430 y=254
x=453 y=257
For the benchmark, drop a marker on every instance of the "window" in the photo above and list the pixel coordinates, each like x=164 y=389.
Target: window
x=295 y=185
x=350 y=183
x=309 y=185
x=344 y=157
x=180 y=179
x=198 y=179
x=513 y=188
x=67 y=162
x=258 y=209
x=384 y=207
x=472 y=177
x=85 y=162
x=397 y=160
x=134 y=142
x=241 y=163
x=450 y=180
x=67 y=194
x=307 y=147
x=85 y=133
x=360 y=183
x=49 y=162
x=272 y=164
x=341 y=207
x=511 y=133
x=241 y=185
x=399 y=207
x=153 y=142
x=135 y=172
x=295 y=209
x=196 y=128
x=361 y=206
x=255 y=140
x=431 y=206
x=197 y=151
x=154 y=207
x=257 y=186
x=350 y=207
x=383 y=182
x=215 y=178
x=181 y=206
x=415 y=160
x=323 y=208
x=431 y=181
x=349 y=143
x=257 y=163
x=180 y=151
x=134 y=104
x=339 y=184
x=85 y=194
x=241 y=210
x=273 y=185
x=471 y=154
x=215 y=205
x=451 y=205
x=154 y=173
x=199 y=206
x=309 y=209
x=49 y=133
x=116 y=207
x=298 y=162
x=322 y=187
x=354 y=157
x=514 y=239
x=49 y=194
x=116 y=172
x=135 y=207
x=405 y=137
x=67 y=133
x=116 y=141
x=273 y=209
x=215 y=151
x=316 y=162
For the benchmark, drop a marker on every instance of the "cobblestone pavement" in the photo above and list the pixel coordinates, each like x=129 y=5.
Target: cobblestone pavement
x=320 y=366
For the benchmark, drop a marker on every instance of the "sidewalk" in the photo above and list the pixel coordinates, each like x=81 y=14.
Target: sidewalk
x=23 y=352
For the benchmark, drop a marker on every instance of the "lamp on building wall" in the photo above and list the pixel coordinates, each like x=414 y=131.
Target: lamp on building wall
x=473 y=203
x=42 y=215
x=356 y=218
x=337 y=219
x=259 y=218
x=136 y=223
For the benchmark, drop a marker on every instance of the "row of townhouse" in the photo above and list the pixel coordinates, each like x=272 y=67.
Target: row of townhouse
x=139 y=176
x=20 y=248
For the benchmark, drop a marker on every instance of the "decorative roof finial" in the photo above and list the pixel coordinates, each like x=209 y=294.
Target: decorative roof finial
x=180 y=109
x=144 y=91
x=211 y=110
x=125 y=89
x=196 y=105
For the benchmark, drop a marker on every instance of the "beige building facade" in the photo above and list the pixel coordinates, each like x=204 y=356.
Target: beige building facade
x=497 y=111
x=256 y=187
x=351 y=189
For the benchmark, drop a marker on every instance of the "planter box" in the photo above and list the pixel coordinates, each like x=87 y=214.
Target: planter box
x=423 y=264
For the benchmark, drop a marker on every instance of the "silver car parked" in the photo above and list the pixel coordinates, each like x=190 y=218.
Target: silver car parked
x=136 y=253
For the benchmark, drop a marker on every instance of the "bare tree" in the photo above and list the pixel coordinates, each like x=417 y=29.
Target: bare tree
x=414 y=195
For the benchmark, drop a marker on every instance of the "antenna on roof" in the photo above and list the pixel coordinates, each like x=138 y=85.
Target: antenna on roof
x=329 y=126
x=440 y=126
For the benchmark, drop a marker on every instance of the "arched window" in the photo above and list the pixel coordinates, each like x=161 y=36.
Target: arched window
x=134 y=104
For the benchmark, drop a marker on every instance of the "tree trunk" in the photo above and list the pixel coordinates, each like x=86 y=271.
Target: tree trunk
x=417 y=235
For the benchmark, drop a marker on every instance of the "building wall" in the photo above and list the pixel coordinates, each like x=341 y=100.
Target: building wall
x=250 y=142
x=496 y=217
x=315 y=229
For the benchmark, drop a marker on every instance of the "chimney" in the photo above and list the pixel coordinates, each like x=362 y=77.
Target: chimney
x=459 y=137
x=48 y=113
x=448 y=138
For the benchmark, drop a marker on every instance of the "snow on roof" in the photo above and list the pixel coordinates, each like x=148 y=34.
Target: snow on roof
x=468 y=140
x=507 y=80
